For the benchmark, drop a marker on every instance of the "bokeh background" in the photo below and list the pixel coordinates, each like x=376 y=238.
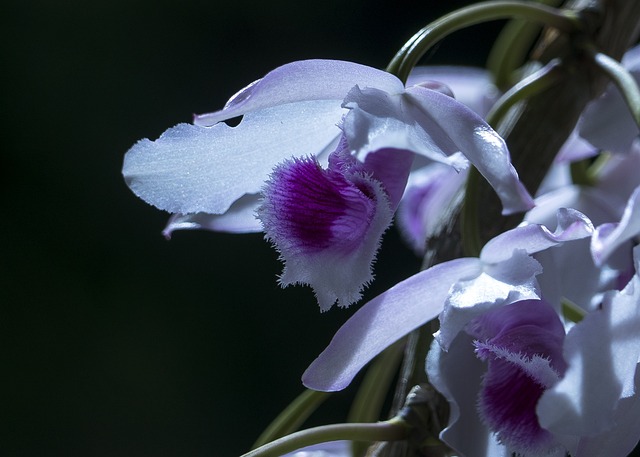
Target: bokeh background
x=114 y=341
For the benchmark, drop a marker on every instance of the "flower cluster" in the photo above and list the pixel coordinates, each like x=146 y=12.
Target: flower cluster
x=538 y=344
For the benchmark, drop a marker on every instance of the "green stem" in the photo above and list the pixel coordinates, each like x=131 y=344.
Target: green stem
x=622 y=79
x=594 y=171
x=524 y=89
x=293 y=416
x=373 y=390
x=421 y=42
x=391 y=430
x=580 y=173
x=571 y=311
x=512 y=46
x=471 y=243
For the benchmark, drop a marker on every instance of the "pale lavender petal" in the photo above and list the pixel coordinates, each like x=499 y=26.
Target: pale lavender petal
x=302 y=81
x=586 y=200
x=379 y=120
x=384 y=320
x=479 y=143
x=575 y=148
x=623 y=437
x=494 y=285
x=608 y=237
x=558 y=176
x=602 y=353
x=509 y=272
x=471 y=86
x=328 y=449
x=430 y=191
x=607 y=122
x=240 y=218
x=192 y=169
x=457 y=374
x=619 y=177
x=435 y=125
x=532 y=238
x=631 y=59
x=391 y=168
x=570 y=272
x=474 y=138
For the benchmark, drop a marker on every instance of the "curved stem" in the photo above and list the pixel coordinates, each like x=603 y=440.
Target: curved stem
x=367 y=405
x=531 y=85
x=293 y=416
x=391 y=430
x=510 y=49
x=622 y=79
x=372 y=392
x=471 y=243
x=422 y=41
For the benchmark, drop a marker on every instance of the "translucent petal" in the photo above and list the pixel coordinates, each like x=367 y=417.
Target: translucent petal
x=435 y=125
x=608 y=237
x=240 y=218
x=602 y=353
x=192 y=169
x=382 y=321
x=471 y=86
x=301 y=81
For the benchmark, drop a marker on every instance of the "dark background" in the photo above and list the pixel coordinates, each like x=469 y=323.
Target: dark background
x=113 y=341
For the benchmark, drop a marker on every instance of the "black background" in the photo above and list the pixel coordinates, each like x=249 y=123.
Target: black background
x=113 y=341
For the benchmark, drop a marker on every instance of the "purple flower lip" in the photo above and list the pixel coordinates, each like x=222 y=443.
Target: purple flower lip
x=309 y=209
x=522 y=344
x=327 y=223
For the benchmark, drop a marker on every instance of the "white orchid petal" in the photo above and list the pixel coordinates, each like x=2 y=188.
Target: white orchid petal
x=470 y=85
x=621 y=439
x=602 y=353
x=384 y=320
x=608 y=237
x=438 y=127
x=302 y=81
x=456 y=374
x=240 y=218
x=479 y=143
x=532 y=238
x=192 y=169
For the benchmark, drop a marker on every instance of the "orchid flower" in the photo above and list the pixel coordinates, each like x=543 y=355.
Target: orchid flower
x=501 y=343
x=212 y=175
x=517 y=383
x=460 y=289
